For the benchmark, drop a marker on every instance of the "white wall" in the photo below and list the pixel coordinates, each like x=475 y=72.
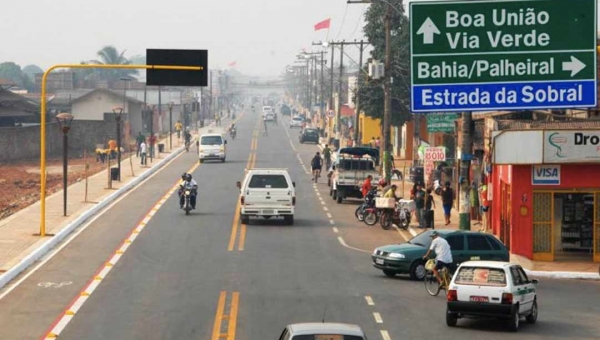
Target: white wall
x=518 y=147
x=95 y=105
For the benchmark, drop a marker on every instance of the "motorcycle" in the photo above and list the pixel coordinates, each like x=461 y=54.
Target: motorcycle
x=187 y=191
x=187 y=146
x=369 y=202
x=400 y=215
x=232 y=133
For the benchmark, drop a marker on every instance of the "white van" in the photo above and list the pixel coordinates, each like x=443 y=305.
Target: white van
x=212 y=147
x=267 y=193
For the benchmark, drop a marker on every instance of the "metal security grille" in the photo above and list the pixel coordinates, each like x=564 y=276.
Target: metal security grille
x=597 y=227
x=543 y=208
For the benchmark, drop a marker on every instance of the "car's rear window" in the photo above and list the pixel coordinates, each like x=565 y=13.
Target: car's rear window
x=310 y=132
x=327 y=337
x=268 y=182
x=211 y=140
x=481 y=276
x=297 y=118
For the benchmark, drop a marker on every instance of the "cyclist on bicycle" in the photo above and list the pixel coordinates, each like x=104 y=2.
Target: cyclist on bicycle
x=443 y=254
x=316 y=164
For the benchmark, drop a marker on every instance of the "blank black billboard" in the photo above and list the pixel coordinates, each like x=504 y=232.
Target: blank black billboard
x=177 y=58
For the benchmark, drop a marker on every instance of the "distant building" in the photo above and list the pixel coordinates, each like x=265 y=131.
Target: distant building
x=56 y=81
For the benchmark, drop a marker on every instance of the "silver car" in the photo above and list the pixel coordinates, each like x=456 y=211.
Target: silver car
x=322 y=331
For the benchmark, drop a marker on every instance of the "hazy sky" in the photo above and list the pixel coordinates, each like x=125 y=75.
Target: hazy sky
x=261 y=35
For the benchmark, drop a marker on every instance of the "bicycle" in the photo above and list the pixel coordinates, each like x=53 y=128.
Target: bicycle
x=432 y=285
x=316 y=175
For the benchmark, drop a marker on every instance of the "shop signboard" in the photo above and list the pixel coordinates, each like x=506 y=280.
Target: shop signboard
x=502 y=54
x=572 y=146
x=432 y=155
x=545 y=174
x=443 y=122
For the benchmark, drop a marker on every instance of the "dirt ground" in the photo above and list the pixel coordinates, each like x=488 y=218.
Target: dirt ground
x=20 y=181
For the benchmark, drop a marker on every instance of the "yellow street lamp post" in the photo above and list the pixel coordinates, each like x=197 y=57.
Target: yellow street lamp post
x=43 y=119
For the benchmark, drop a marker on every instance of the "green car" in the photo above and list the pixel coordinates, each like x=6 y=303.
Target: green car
x=465 y=245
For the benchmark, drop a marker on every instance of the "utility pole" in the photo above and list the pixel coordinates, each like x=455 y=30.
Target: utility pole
x=387 y=102
x=465 y=165
x=357 y=113
x=331 y=78
x=338 y=129
x=322 y=95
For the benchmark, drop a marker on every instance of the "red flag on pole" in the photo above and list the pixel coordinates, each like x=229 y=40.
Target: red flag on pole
x=323 y=25
x=233 y=63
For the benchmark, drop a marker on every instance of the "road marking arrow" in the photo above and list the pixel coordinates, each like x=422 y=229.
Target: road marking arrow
x=575 y=65
x=428 y=29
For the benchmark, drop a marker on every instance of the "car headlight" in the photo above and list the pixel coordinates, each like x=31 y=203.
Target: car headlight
x=396 y=256
x=375 y=252
x=222 y=148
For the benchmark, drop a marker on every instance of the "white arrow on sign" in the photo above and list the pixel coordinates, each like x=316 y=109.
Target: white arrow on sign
x=575 y=65
x=428 y=29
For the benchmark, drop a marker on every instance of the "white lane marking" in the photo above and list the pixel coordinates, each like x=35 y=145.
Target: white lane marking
x=335 y=230
x=332 y=222
x=343 y=243
x=325 y=208
x=412 y=231
x=378 y=318
x=369 y=300
x=401 y=233
x=54 y=285
x=82 y=228
x=329 y=215
x=292 y=144
x=385 y=335
x=322 y=202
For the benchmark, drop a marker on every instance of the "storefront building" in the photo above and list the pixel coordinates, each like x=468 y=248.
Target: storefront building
x=545 y=193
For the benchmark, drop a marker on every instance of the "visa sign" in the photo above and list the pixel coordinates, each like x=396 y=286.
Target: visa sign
x=545 y=174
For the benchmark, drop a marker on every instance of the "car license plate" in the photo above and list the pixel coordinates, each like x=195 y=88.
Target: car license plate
x=211 y=154
x=268 y=212
x=479 y=299
x=379 y=261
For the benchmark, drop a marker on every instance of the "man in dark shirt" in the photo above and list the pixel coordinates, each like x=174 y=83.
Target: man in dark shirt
x=447 y=201
x=420 y=204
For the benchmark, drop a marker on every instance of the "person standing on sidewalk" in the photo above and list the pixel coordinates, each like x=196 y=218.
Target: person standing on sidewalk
x=139 y=140
x=420 y=205
x=447 y=201
x=143 y=149
x=178 y=127
x=327 y=156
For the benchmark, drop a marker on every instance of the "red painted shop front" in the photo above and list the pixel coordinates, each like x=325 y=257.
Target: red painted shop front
x=551 y=219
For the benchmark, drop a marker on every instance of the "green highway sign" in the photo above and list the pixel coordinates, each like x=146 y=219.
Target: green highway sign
x=443 y=122
x=503 y=54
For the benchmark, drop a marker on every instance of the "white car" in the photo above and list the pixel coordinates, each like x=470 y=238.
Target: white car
x=267 y=193
x=322 y=331
x=296 y=122
x=268 y=116
x=492 y=289
x=212 y=147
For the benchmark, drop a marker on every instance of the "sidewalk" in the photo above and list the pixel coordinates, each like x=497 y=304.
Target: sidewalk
x=558 y=269
x=20 y=248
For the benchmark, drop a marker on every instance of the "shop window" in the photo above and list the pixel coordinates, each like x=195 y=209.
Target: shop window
x=478 y=242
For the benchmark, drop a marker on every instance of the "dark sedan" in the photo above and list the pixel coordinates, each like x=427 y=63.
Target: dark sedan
x=309 y=135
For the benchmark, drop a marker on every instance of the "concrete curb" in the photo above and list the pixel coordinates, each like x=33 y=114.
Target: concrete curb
x=30 y=259
x=564 y=275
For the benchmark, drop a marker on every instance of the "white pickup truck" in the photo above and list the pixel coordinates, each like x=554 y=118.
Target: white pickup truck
x=352 y=167
x=267 y=193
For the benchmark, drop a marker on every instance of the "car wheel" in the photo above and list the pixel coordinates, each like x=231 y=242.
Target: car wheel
x=417 y=270
x=201 y=161
x=223 y=160
x=515 y=319
x=245 y=219
x=389 y=273
x=532 y=317
x=288 y=219
x=451 y=319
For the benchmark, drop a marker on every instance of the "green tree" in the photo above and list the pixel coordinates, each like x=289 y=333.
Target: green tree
x=31 y=70
x=109 y=55
x=11 y=71
x=371 y=91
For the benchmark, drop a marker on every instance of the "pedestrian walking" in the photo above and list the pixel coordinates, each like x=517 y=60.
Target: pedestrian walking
x=178 y=127
x=420 y=205
x=143 y=151
x=447 y=201
x=139 y=139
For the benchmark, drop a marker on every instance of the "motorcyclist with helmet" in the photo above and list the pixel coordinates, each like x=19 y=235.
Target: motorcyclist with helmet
x=187 y=183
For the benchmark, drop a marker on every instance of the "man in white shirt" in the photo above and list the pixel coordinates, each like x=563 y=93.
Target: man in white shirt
x=443 y=254
x=143 y=150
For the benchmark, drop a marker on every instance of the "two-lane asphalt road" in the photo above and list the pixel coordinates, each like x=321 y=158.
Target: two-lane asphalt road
x=144 y=270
